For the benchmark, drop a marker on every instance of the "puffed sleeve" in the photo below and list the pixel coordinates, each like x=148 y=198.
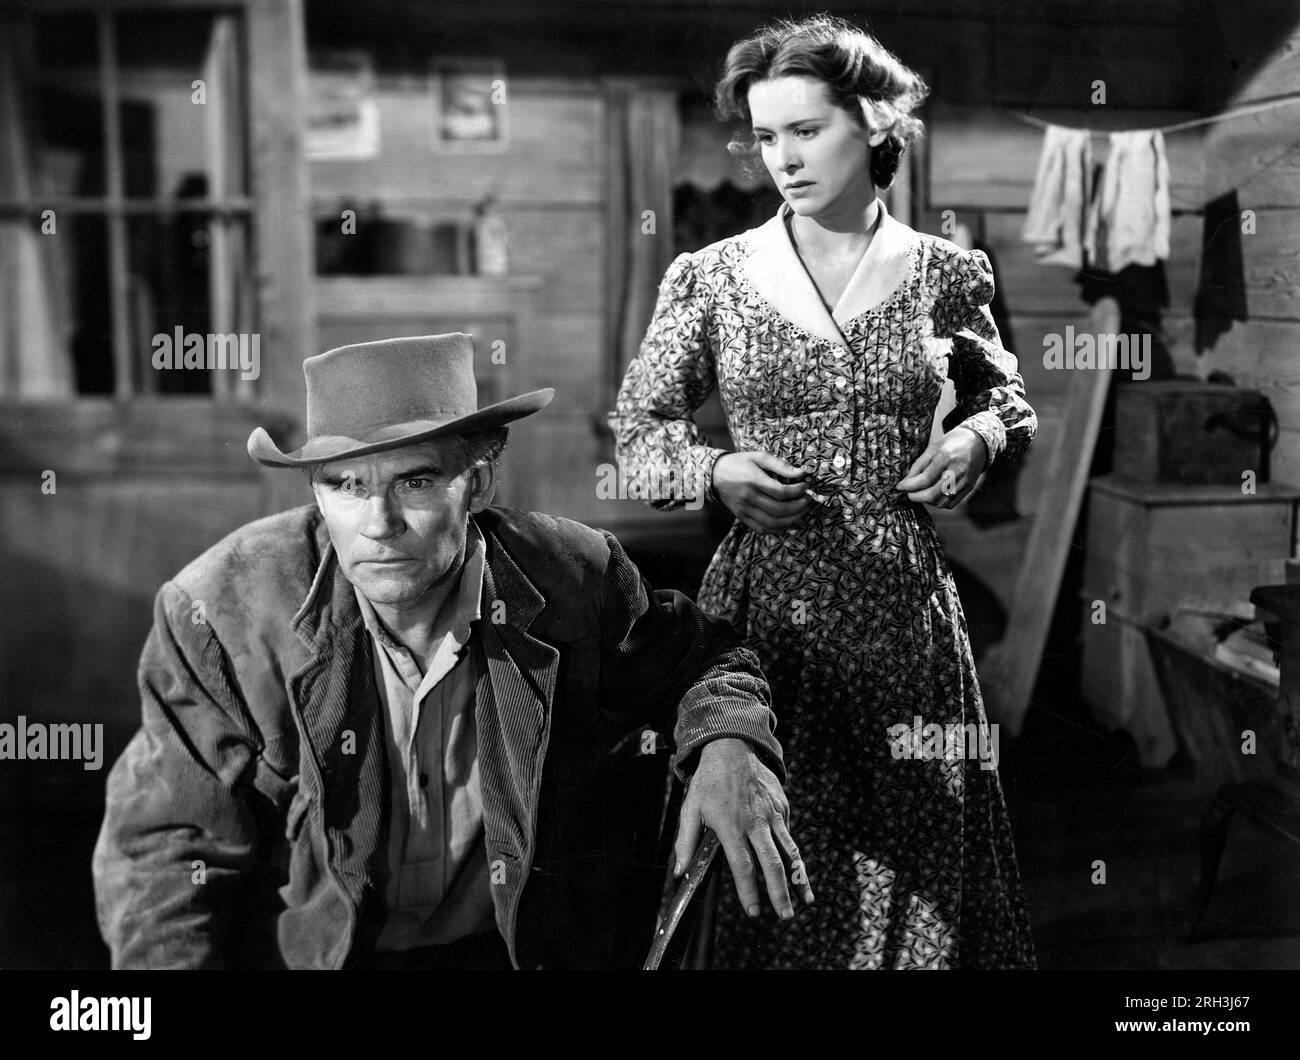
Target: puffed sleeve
x=659 y=446
x=990 y=392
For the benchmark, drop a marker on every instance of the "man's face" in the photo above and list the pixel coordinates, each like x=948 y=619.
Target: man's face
x=398 y=519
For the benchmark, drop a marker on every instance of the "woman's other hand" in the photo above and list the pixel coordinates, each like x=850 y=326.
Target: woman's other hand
x=747 y=483
x=945 y=473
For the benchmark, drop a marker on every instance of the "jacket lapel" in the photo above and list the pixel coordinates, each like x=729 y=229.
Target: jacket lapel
x=337 y=711
x=516 y=688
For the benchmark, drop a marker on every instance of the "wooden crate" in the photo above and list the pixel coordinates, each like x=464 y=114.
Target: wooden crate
x=1188 y=432
x=1152 y=550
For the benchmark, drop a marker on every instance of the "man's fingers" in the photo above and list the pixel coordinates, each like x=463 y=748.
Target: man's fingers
x=689 y=827
x=769 y=860
x=798 y=871
x=742 y=871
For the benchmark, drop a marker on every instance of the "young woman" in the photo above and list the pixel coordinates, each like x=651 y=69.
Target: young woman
x=829 y=331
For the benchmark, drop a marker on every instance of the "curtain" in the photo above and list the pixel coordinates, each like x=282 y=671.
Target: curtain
x=645 y=134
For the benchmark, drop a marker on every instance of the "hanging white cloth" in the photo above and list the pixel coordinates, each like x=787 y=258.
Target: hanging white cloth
x=1058 y=205
x=1128 y=223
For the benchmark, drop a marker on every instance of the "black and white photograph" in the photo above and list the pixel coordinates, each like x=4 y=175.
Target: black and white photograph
x=651 y=485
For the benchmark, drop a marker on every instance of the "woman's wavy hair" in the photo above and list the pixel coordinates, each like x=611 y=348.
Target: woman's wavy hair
x=861 y=75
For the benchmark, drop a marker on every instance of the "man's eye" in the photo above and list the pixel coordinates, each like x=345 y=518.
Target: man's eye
x=417 y=483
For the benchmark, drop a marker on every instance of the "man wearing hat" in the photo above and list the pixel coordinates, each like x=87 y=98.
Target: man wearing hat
x=389 y=730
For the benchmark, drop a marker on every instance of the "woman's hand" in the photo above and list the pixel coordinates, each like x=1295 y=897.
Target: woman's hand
x=745 y=483
x=946 y=472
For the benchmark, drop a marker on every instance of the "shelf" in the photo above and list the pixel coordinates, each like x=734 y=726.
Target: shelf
x=387 y=296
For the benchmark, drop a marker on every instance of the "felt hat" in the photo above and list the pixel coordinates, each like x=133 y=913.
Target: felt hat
x=374 y=396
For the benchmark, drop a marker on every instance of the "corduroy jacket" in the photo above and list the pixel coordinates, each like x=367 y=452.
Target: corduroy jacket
x=243 y=819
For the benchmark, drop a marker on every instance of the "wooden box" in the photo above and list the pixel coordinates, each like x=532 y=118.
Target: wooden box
x=1191 y=433
x=1151 y=550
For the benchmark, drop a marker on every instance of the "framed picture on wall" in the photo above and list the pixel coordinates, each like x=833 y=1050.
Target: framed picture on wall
x=342 y=109
x=469 y=103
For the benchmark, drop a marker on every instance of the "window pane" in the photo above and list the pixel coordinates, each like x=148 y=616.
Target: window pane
x=65 y=136
x=182 y=102
x=190 y=293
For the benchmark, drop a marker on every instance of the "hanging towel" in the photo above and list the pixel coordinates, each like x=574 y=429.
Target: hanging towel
x=1059 y=202
x=1221 y=294
x=1128 y=223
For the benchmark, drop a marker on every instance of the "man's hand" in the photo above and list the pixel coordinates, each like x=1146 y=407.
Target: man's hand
x=737 y=796
x=947 y=471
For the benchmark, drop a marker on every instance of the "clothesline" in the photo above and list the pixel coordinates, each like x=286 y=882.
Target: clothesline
x=1254 y=108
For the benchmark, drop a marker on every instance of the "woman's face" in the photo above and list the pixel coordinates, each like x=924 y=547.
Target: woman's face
x=818 y=156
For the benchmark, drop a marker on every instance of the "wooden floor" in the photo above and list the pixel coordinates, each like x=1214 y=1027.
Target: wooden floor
x=1077 y=796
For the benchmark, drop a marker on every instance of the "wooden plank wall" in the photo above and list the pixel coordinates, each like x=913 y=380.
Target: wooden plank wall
x=982 y=166
x=981 y=163
x=550 y=186
x=981 y=160
x=1259 y=156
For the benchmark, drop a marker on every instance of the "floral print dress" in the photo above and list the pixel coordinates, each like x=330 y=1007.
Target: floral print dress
x=853 y=611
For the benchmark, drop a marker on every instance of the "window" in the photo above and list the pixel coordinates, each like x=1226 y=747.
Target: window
x=126 y=242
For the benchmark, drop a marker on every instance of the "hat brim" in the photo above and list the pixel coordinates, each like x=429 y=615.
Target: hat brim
x=323 y=450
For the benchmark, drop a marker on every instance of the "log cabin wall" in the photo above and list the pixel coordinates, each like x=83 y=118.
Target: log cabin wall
x=1161 y=61
x=549 y=184
x=1258 y=156
x=982 y=62
x=142 y=491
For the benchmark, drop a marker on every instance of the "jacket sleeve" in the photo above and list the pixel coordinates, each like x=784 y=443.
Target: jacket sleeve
x=663 y=658
x=179 y=832
x=658 y=445
x=990 y=392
